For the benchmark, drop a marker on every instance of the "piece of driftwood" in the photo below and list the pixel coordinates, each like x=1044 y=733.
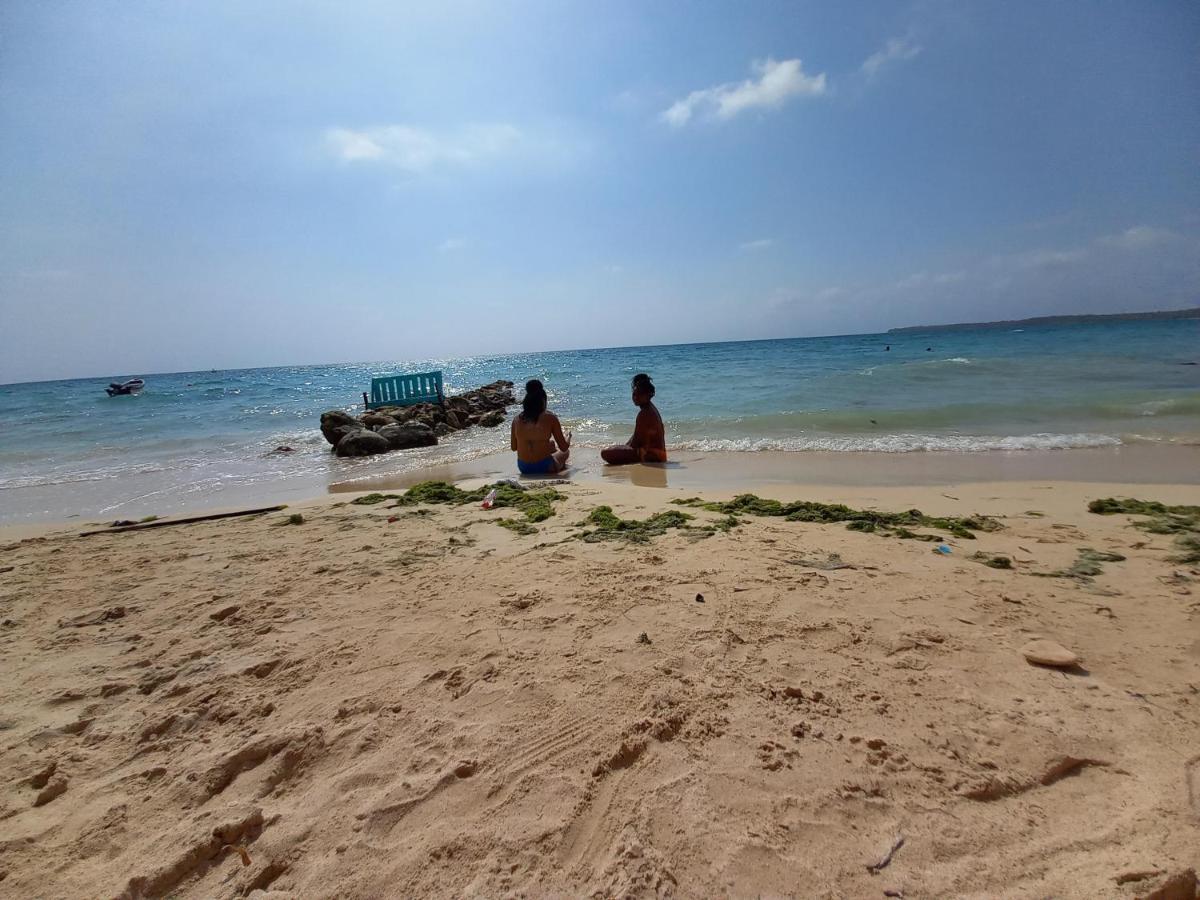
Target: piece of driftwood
x=163 y=523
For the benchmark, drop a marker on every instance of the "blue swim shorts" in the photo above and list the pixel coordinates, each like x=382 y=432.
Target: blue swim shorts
x=541 y=467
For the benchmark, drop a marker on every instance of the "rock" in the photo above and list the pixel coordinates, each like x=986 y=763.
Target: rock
x=376 y=420
x=42 y=778
x=363 y=443
x=483 y=406
x=1180 y=886
x=334 y=425
x=1049 y=653
x=410 y=434
x=56 y=788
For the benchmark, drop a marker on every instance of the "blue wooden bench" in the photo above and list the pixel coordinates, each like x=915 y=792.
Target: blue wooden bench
x=405 y=390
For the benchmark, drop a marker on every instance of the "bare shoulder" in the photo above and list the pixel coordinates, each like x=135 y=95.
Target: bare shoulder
x=551 y=418
x=649 y=413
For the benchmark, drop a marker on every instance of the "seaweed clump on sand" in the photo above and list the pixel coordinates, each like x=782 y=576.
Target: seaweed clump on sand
x=992 y=561
x=372 y=499
x=1086 y=565
x=535 y=505
x=608 y=526
x=1160 y=518
x=517 y=526
x=867 y=520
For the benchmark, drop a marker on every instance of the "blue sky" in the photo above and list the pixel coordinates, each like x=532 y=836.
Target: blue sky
x=208 y=184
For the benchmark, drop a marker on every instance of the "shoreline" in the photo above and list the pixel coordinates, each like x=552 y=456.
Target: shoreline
x=722 y=471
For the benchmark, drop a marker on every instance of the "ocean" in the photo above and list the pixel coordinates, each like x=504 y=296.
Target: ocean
x=207 y=438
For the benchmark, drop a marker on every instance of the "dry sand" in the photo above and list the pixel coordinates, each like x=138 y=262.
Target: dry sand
x=438 y=707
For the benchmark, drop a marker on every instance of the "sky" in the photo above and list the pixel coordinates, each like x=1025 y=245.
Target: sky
x=216 y=184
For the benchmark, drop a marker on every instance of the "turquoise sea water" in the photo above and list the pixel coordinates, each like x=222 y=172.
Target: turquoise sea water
x=67 y=446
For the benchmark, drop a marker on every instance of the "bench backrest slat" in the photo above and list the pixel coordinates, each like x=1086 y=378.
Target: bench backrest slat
x=406 y=390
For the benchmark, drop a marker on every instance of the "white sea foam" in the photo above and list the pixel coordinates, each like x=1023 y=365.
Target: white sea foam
x=903 y=443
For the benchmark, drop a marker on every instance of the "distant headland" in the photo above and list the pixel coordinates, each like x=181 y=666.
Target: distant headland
x=1193 y=313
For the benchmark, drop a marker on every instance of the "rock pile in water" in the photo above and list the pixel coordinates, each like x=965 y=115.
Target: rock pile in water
x=420 y=425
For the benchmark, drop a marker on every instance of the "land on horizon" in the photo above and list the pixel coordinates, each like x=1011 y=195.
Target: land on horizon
x=1080 y=319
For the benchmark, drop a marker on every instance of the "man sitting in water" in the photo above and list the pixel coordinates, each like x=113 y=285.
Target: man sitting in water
x=532 y=430
x=649 y=441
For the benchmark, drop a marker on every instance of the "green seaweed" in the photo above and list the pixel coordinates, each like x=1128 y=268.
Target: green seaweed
x=146 y=519
x=372 y=499
x=1159 y=518
x=518 y=526
x=535 y=505
x=992 y=561
x=1086 y=565
x=607 y=526
x=865 y=520
x=293 y=519
x=1181 y=521
x=1189 y=549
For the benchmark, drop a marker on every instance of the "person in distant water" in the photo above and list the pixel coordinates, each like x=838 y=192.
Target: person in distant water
x=537 y=435
x=649 y=441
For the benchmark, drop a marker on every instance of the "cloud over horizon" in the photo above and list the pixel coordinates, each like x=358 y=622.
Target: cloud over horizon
x=418 y=150
x=895 y=50
x=777 y=82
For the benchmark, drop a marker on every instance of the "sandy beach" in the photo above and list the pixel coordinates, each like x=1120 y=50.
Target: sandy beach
x=398 y=701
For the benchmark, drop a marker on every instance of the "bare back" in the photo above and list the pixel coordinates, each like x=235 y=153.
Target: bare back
x=532 y=441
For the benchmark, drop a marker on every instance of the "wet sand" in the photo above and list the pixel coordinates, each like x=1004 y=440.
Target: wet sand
x=1128 y=464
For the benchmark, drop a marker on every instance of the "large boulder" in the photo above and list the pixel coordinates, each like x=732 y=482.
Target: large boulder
x=492 y=419
x=453 y=420
x=408 y=434
x=376 y=420
x=441 y=429
x=363 y=443
x=335 y=424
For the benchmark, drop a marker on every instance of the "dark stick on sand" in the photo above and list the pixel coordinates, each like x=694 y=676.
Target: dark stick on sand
x=189 y=520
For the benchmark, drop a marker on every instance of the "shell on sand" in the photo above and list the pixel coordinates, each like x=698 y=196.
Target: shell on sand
x=1049 y=653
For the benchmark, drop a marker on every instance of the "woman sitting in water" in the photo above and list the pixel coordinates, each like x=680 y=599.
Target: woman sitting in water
x=649 y=441
x=532 y=431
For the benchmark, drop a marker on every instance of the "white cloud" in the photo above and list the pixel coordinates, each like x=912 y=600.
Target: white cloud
x=895 y=50
x=916 y=279
x=418 y=150
x=1140 y=237
x=923 y=279
x=760 y=244
x=1044 y=259
x=449 y=245
x=776 y=83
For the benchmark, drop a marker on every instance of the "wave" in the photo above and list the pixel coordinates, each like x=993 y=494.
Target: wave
x=903 y=443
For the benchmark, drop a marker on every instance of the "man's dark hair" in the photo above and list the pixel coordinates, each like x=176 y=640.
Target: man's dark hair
x=642 y=382
x=534 y=403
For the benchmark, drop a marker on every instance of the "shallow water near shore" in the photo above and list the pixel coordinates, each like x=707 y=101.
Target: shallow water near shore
x=208 y=439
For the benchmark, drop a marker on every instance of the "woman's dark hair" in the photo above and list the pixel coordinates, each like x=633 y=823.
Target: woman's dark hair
x=642 y=382
x=534 y=403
